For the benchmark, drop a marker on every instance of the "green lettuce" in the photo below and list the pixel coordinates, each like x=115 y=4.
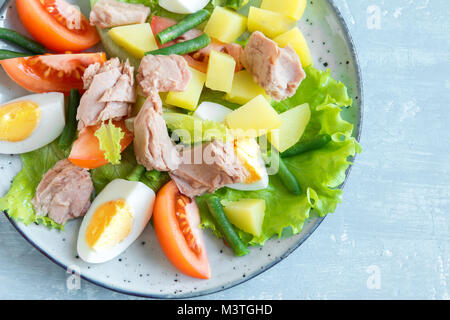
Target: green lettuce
x=109 y=137
x=17 y=202
x=319 y=172
x=105 y=174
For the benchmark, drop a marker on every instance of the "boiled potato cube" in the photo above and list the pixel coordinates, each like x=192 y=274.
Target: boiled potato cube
x=295 y=38
x=190 y=97
x=220 y=73
x=253 y=119
x=247 y=215
x=137 y=39
x=291 y=8
x=245 y=89
x=294 y=124
x=268 y=22
x=225 y=25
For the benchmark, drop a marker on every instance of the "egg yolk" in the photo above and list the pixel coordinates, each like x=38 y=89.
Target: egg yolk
x=247 y=150
x=110 y=224
x=18 y=120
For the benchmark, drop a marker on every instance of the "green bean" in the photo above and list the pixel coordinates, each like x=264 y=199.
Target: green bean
x=136 y=174
x=22 y=41
x=305 y=146
x=288 y=179
x=183 y=26
x=184 y=47
x=68 y=135
x=225 y=227
x=7 y=54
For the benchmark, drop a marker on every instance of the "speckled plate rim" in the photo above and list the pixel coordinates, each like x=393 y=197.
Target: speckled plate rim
x=358 y=129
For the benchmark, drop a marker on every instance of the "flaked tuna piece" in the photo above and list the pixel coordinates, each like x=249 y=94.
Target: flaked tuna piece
x=111 y=13
x=64 y=192
x=277 y=70
x=110 y=93
x=88 y=113
x=96 y=68
x=90 y=73
x=208 y=167
x=114 y=110
x=71 y=14
x=163 y=73
x=122 y=91
x=152 y=145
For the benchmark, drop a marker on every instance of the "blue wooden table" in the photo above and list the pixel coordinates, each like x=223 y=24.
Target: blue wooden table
x=390 y=239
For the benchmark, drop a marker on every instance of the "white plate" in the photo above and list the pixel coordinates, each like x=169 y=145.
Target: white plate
x=143 y=270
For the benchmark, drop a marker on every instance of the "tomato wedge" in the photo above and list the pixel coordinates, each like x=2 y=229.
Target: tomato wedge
x=86 y=152
x=176 y=220
x=50 y=73
x=57 y=25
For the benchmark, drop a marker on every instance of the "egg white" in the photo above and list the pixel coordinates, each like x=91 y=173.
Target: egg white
x=137 y=195
x=183 y=6
x=212 y=111
x=50 y=126
x=255 y=186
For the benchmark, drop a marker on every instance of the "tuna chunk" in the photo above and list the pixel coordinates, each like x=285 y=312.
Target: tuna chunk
x=110 y=93
x=71 y=14
x=277 y=70
x=163 y=74
x=152 y=145
x=64 y=192
x=208 y=167
x=111 y=13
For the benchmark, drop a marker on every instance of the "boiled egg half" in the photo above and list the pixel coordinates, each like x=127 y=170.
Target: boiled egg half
x=116 y=218
x=247 y=150
x=183 y=6
x=31 y=122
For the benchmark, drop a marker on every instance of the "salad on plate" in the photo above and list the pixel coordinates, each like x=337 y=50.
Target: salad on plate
x=199 y=116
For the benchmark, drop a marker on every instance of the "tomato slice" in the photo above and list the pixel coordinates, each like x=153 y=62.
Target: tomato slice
x=176 y=220
x=50 y=73
x=86 y=152
x=57 y=25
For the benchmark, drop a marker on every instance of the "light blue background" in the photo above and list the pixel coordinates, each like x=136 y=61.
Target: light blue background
x=390 y=239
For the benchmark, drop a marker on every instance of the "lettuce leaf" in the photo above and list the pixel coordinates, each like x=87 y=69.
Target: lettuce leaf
x=319 y=172
x=105 y=174
x=109 y=137
x=17 y=202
